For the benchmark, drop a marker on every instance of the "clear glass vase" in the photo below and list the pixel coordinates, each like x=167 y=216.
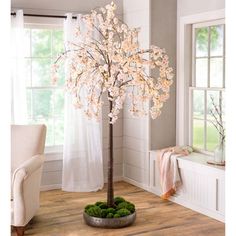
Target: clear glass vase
x=219 y=154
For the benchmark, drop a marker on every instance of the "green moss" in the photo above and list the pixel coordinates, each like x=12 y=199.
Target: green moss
x=103 y=206
x=111 y=210
x=101 y=210
x=116 y=216
x=94 y=211
x=118 y=200
x=123 y=212
x=127 y=205
x=109 y=215
x=88 y=206
x=104 y=213
x=98 y=203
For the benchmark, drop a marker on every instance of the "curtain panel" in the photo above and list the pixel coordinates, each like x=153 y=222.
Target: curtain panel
x=18 y=75
x=82 y=154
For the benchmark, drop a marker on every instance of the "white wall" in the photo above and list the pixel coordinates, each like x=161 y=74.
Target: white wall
x=188 y=13
x=163 y=34
x=190 y=7
x=136 y=13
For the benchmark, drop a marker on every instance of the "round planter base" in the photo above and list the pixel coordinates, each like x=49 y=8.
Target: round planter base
x=110 y=222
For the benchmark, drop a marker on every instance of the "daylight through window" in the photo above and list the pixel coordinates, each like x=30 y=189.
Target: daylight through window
x=208 y=80
x=45 y=102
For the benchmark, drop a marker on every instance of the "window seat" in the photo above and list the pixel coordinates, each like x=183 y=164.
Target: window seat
x=200 y=159
x=202 y=187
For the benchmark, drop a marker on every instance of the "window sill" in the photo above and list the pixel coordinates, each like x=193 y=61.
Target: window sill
x=199 y=159
x=54 y=153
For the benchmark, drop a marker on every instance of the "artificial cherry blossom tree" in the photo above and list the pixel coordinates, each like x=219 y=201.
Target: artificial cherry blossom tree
x=107 y=59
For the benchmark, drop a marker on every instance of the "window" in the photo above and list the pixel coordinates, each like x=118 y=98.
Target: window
x=45 y=102
x=208 y=80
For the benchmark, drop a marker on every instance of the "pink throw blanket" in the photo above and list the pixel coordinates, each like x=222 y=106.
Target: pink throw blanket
x=168 y=169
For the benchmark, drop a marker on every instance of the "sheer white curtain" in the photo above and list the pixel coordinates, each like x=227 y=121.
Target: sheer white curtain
x=82 y=155
x=18 y=81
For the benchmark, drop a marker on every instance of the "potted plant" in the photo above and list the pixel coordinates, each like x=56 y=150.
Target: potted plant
x=114 y=65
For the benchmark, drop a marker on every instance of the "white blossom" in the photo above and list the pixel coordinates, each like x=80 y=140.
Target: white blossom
x=116 y=65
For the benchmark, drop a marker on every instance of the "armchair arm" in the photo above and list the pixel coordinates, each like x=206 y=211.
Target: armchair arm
x=25 y=185
x=28 y=167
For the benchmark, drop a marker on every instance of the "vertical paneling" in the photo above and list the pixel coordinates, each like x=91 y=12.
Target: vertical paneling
x=51 y=175
x=202 y=186
x=199 y=189
x=136 y=13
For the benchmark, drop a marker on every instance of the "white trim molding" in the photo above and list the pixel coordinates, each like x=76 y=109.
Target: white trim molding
x=182 y=96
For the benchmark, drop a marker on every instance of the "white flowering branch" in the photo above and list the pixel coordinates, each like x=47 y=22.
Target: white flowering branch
x=113 y=63
x=217 y=114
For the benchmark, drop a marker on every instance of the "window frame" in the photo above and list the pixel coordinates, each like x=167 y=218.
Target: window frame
x=183 y=67
x=39 y=23
x=192 y=86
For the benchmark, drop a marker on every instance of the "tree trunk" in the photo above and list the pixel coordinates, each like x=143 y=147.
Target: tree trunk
x=110 y=190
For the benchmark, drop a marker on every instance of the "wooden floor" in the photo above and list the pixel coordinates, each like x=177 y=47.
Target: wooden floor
x=61 y=215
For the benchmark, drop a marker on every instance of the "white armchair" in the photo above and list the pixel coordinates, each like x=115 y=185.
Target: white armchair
x=27 y=148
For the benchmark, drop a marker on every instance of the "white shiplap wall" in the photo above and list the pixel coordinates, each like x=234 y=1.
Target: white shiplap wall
x=136 y=13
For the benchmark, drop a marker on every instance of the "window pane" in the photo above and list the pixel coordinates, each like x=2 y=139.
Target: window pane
x=201 y=72
x=59 y=132
x=215 y=96
x=202 y=42
x=59 y=102
x=198 y=104
x=198 y=134
x=57 y=43
x=217 y=37
x=27 y=43
x=42 y=103
x=61 y=74
x=27 y=67
x=41 y=69
x=216 y=72
x=29 y=103
x=41 y=43
x=223 y=104
x=50 y=130
x=45 y=105
x=212 y=137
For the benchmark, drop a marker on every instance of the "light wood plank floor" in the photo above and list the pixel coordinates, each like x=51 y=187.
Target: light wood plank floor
x=61 y=215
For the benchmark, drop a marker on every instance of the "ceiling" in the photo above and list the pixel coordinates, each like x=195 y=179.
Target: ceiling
x=79 y=6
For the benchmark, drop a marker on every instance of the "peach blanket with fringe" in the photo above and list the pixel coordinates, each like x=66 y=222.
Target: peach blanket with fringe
x=168 y=168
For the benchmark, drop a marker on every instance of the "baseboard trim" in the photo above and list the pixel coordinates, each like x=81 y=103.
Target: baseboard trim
x=50 y=187
x=135 y=183
x=115 y=179
x=202 y=210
